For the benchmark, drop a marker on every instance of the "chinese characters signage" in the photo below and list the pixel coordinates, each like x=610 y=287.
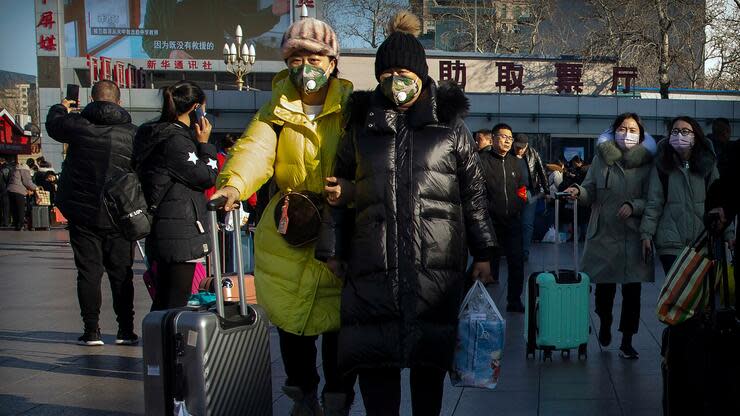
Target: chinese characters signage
x=47 y=28
x=123 y=74
x=510 y=76
x=569 y=78
x=628 y=74
x=454 y=71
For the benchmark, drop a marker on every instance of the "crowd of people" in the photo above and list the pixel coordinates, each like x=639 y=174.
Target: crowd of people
x=20 y=184
x=405 y=197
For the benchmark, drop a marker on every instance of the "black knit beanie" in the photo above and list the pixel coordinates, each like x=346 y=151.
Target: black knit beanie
x=401 y=49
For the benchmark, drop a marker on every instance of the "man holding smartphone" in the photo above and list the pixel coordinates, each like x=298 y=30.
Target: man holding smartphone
x=100 y=140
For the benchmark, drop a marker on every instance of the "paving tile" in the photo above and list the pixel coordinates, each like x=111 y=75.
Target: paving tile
x=481 y=402
x=580 y=408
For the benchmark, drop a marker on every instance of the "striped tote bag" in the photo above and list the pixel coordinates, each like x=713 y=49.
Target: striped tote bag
x=682 y=295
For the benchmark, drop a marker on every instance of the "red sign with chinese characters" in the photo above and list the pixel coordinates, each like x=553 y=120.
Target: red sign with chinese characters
x=47 y=28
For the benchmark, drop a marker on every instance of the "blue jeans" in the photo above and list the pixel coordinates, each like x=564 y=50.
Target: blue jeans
x=528 y=215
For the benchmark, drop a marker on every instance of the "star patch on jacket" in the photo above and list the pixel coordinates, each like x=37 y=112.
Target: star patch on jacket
x=212 y=163
x=192 y=157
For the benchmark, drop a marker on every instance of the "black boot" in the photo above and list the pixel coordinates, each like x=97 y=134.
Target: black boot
x=335 y=404
x=304 y=404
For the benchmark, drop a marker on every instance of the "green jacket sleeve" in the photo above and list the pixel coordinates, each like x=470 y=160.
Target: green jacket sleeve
x=251 y=159
x=653 y=206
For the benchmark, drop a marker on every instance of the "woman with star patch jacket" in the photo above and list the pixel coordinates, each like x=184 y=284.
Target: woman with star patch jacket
x=176 y=164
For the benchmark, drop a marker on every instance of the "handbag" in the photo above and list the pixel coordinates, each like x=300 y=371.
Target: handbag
x=43 y=198
x=298 y=217
x=682 y=295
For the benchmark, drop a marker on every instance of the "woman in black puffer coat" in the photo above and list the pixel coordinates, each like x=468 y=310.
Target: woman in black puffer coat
x=176 y=165
x=420 y=205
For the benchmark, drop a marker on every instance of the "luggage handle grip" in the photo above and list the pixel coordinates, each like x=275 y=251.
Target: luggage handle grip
x=213 y=206
x=575 y=236
x=218 y=203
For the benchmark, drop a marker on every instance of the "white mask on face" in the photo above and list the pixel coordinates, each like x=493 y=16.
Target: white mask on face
x=627 y=140
x=681 y=143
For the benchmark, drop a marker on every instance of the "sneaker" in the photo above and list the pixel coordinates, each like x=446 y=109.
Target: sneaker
x=629 y=353
x=516 y=306
x=127 y=338
x=90 y=338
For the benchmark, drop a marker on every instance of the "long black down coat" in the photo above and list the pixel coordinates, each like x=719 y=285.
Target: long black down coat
x=175 y=170
x=100 y=140
x=420 y=204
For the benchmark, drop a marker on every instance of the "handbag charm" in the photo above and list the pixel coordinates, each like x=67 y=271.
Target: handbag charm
x=283 y=225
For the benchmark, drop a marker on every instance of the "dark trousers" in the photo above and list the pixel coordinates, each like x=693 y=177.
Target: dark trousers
x=18 y=209
x=509 y=236
x=174 y=283
x=381 y=390
x=667 y=261
x=629 y=320
x=97 y=251
x=5 y=209
x=299 y=360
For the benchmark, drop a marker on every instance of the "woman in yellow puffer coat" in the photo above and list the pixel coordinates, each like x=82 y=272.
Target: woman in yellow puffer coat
x=294 y=137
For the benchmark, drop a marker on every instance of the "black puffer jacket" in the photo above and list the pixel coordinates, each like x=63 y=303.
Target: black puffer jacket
x=537 y=176
x=420 y=205
x=100 y=142
x=175 y=170
x=503 y=182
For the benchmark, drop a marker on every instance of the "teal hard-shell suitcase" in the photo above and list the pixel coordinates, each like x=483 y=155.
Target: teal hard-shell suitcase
x=557 y=308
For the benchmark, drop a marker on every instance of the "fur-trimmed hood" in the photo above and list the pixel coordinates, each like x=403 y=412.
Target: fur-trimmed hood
x=701 y=162
x=444 y=103
x=639 y=155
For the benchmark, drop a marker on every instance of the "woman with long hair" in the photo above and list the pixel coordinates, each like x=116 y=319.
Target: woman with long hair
x=176 y=165
x=685 y=166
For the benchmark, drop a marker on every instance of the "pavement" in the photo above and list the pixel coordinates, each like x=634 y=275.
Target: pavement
x=44 y=372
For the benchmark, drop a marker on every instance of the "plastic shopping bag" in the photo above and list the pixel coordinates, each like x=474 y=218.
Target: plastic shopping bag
x=480 y=341
x=551 y=236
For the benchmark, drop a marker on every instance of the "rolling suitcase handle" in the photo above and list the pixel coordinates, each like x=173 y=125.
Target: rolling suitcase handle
x=558 y=197
x=212 y=207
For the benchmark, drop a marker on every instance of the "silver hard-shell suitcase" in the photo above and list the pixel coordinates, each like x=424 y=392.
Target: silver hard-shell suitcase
x=208 y=361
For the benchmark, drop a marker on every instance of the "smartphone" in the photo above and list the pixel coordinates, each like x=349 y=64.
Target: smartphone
x=73 y=94
x=199 y=114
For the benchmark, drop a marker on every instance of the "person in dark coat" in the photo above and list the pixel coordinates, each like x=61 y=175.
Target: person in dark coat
x=176 y=164
x=100 y=142
x=507 y=195
x=535 y=179
x=420 y=205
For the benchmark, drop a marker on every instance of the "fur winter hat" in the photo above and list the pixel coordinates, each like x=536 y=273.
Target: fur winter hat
x=311 y=35
x=401 y=49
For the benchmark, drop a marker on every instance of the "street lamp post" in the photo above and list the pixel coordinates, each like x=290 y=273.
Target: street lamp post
x=239 y=58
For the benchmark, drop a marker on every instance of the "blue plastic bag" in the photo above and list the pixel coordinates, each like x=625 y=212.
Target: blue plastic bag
x=480 y=341
x=202 y=298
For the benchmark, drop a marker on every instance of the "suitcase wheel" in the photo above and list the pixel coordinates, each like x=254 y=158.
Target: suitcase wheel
x=583 y=351
x=547 y=355
x=530 y=350
x=565 y=354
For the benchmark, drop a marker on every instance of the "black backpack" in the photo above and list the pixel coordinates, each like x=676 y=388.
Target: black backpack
x=124 y=200
x=127 y=208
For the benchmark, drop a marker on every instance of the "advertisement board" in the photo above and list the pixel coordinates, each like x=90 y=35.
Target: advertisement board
x=172 y=29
